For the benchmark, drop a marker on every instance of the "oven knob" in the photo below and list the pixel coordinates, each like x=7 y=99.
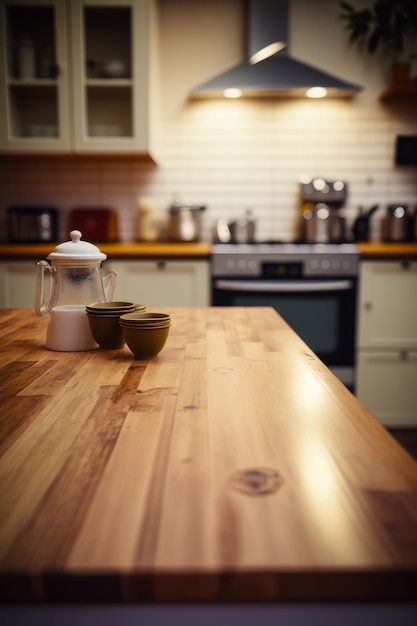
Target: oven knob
x=241 y=264
x=346 y=265
x=252 y=265
x=336 y=265
x=314 y=264
x=325 y=264
x=230 y=264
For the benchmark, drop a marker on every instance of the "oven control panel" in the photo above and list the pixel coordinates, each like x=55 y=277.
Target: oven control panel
x=283 y=262
x=282 y=270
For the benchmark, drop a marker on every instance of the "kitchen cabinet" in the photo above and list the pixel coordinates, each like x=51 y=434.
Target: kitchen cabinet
x=154 y=283
x=75 y=76
x=34 y=76
x=387 y=341
x=162 y=282
x=17 y=283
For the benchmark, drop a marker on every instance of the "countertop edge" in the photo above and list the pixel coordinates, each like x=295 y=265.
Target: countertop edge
x=191 y=250
x=385 y=250
x=199 y=586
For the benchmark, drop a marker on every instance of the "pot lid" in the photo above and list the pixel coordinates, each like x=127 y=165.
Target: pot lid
x=77 y=250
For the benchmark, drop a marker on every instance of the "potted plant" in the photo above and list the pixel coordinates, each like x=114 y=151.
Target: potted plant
x=384 y=25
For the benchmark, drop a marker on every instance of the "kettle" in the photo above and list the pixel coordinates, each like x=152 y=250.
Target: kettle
x=361 y=225
x=74 y=280
x=395 y=225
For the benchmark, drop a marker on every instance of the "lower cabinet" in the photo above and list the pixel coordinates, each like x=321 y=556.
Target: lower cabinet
x=17 y=283
x=387 y=341
x=154 y=283
x=387 y=386
x=162 y=282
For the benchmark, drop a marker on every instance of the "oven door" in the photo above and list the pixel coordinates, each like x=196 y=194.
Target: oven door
x=322 y=313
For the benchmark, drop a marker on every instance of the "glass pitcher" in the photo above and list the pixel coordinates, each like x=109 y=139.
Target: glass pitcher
x=64 y=287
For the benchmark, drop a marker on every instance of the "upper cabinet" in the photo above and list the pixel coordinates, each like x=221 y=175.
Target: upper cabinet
x=34 y=76
x=75 y=76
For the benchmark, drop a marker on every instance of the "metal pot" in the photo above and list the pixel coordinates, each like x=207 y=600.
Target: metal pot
x=323 y=224
x=184 y=223
x=243 y=229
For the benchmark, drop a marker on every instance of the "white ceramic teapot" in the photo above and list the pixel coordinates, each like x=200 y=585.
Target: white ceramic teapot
x=74 y=280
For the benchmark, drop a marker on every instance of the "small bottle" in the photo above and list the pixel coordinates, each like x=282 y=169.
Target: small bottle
x=26 y=58
x=250 y=226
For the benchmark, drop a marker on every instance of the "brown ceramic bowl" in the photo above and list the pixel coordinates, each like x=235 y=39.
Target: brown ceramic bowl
x=141 y=317
x=145 y=343
x=150 y=324
x=106 y=330
x=111 y=307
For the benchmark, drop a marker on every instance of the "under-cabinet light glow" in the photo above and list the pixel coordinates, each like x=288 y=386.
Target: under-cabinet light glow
x=232 y=92
x=316 y=92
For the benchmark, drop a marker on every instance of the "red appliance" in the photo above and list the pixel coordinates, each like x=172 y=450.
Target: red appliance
x=96 y=224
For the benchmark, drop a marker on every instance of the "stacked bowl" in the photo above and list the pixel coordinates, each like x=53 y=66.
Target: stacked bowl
x=103 y=318
x=145 y=332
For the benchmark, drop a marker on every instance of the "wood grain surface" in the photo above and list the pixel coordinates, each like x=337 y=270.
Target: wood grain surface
x=232 y=467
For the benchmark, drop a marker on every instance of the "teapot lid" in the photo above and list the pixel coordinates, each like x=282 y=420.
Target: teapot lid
x=77 y=250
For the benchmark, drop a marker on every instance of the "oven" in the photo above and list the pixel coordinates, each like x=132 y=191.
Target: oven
x=313 y=287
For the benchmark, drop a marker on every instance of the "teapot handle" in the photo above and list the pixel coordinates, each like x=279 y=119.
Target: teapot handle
x=42 y=302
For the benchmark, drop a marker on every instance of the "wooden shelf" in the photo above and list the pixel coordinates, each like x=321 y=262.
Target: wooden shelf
x=399 y=91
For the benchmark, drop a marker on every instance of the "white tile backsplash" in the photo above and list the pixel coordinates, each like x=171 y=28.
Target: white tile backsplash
x=231 y=159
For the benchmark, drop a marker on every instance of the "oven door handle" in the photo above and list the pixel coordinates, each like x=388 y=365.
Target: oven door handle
x=283 y=286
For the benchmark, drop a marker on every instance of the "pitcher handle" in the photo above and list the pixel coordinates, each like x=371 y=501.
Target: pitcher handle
x=109 y=284
x=41 y=299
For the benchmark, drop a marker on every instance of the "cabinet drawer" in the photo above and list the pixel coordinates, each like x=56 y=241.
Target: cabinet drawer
x=388 y=305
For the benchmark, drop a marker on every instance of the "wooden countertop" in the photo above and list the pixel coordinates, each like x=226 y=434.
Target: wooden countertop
x=115 y=250
x=187 y=250
x=382 y=250
x=232 y=467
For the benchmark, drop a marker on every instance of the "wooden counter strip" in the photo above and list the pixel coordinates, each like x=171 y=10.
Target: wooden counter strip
x=187 y=250
x=115 y=250
x=379 y=249
x=233 y=467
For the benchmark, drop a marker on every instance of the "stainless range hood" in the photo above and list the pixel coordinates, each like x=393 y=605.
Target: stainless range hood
x=270 y=71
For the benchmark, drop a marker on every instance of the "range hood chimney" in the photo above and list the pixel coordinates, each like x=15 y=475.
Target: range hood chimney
x=270 y=71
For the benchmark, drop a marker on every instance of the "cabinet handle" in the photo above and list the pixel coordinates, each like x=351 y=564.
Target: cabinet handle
x=367 y=306
x=405 y=264
x=404 y=355
x=161 y=265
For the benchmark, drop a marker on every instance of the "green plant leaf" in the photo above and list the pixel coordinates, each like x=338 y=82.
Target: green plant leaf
x=385 y=22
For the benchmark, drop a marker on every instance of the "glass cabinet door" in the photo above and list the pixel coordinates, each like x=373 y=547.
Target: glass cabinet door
x=109 y=39
x=33 y=76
